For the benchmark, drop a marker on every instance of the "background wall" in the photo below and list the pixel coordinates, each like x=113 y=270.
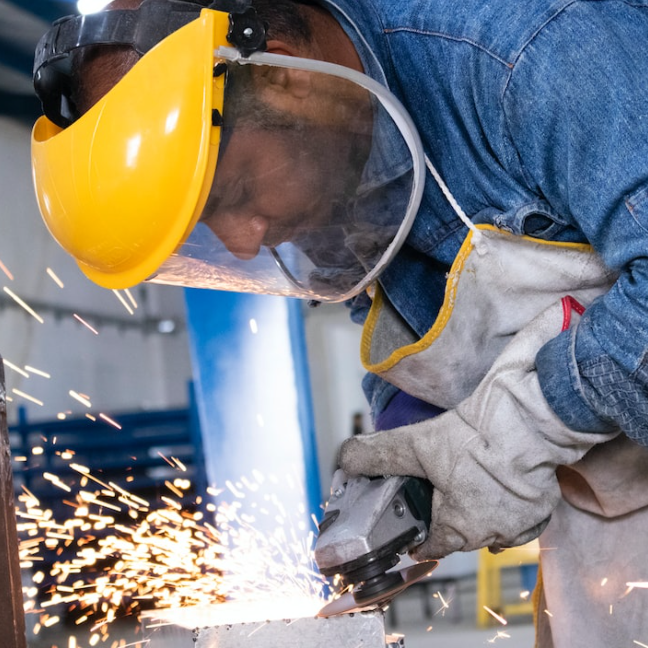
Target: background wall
x=129 y=365
x=336 y=372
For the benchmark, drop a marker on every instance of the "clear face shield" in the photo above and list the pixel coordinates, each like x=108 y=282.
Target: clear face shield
x=318 y=179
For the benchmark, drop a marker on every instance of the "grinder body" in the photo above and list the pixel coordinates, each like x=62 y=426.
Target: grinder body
x=368 y=523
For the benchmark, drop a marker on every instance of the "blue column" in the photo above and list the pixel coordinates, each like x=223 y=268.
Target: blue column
x=253 y=395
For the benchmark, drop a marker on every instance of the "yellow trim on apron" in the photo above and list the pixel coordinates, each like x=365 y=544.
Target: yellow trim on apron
x=447 y=307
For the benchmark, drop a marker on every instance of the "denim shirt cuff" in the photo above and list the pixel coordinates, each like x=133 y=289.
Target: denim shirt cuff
x=561 y=385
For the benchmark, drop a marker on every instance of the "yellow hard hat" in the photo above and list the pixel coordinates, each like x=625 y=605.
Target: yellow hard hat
x=104 y=184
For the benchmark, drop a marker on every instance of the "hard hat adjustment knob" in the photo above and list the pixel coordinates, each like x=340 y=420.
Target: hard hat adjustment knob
x=247 y=32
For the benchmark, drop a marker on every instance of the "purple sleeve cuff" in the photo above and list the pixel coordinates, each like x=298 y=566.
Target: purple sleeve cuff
x=404 y=409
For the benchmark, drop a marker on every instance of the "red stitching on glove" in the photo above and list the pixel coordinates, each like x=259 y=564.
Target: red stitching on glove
x=570 y=304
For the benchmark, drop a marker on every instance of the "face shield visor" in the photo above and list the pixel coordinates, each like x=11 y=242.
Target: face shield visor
x=206 y=168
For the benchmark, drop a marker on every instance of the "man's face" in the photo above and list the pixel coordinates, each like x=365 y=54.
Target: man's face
x=292 y=155
x=263 y=193
x=273 y=186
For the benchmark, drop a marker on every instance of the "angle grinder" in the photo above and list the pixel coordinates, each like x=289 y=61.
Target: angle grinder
x=368 y=524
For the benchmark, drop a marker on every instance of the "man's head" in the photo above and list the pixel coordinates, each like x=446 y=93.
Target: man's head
x=171 y=125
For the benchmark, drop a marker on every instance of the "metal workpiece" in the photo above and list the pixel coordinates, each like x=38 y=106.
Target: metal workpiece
x=206 y=628
x=360 y=630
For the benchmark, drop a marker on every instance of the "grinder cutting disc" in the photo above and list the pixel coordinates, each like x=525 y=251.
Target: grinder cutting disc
x=356 y=600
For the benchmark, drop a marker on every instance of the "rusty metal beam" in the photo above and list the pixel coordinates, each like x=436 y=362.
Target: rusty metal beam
x=12 y=615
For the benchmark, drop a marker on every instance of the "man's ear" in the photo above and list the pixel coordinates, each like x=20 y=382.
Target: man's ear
x=295 y=83
x=275 y=46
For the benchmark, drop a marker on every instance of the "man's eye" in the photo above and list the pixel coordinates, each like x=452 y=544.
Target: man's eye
x=237 y=194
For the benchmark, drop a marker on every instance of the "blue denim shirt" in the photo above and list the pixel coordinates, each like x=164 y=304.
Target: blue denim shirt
x=536 y=115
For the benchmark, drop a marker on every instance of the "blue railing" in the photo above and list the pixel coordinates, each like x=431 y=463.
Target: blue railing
x=147 y=449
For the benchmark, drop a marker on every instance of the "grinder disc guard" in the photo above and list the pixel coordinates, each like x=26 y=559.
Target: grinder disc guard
x=379 y=591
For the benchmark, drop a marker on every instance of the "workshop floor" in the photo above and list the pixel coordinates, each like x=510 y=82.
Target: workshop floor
x=451 y=626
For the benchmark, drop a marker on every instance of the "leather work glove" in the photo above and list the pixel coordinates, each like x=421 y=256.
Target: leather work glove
x=492 y=460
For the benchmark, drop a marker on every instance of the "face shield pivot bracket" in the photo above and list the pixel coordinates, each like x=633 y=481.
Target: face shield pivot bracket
x=247 y=33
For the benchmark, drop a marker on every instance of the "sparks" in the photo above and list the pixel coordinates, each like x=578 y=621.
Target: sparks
x=131 y=299
x=165 y=459
x=179 y=464
x=20 y=302
x=4 y=269
x=110 y=421
x=15 y=368
x=82 y=399
x=172 y=487
x=496 y=616
x=82 y=321
x=166 y=557
x=38 y=372
x=500 y=635
x=444 y=604
x=27 y=397
x=54 y=278
x=124 y=303
x=57 y=482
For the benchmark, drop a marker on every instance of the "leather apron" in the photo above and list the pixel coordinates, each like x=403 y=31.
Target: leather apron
x=597 y=540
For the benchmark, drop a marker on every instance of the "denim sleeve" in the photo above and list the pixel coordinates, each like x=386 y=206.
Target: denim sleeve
x=576 y=108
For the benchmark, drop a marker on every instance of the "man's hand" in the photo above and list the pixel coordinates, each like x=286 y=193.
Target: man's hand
x=492 y=460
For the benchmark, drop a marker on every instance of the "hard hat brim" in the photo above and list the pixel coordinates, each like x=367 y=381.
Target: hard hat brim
x=122 y=187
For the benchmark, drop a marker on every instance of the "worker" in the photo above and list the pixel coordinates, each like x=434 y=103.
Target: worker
x=471 y=177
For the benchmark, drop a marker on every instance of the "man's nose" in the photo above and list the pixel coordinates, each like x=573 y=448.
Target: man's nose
x=242 y=234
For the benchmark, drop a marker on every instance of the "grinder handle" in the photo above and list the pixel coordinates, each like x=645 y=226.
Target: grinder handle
x=418 y=495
